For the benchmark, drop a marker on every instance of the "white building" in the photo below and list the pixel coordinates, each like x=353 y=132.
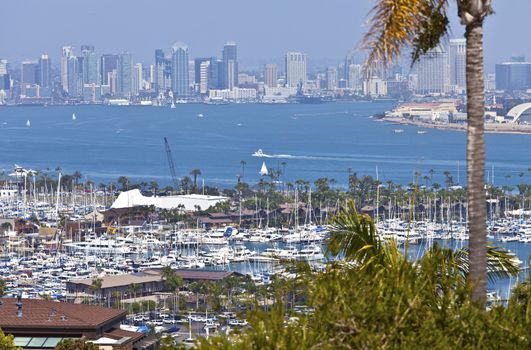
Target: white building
x=433 y=73
x=271 y=75
x=138 y=79
x=331 y=78
x=458 y=64
x=296 y=69
x=190 y=202
x=375 y=87
x=203 y=76
x=355 y=78
x=278 y=94
x=234 y=94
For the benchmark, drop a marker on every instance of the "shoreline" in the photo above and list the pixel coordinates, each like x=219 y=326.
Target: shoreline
x=489 y=128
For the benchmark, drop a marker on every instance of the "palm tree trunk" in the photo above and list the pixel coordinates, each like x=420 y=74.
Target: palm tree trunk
x=476 y=160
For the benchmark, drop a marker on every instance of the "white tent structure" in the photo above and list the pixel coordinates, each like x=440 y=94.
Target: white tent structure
x=190 y=202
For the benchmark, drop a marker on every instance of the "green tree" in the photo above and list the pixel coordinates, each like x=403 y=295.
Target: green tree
x=195 y=173
x=76 y=344
x=7 y=342
x=2 y=287
x=124 y=182
x=173 y=282
x=421 y=24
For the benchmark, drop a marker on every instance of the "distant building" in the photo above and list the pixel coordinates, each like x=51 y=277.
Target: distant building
x=74 y=81
x=108 y=64
x=375 y=87
x=29 y=72
x=124 y=74
x=180 y=83
x=296 y=69
x=44 y=74
x=67 y=53
x=432 y=71
x=513 y=76
x=458 y=64
x=331 y=78
x=138 y=79
x=271 y=75
x=230 y=66
x=89 y=65
x=355 y=78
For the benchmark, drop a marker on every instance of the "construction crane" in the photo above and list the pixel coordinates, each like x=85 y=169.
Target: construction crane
x=171 y=165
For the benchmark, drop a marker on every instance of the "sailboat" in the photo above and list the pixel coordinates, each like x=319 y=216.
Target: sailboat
x=263 y=170
x=28 y=123
x=74 y=116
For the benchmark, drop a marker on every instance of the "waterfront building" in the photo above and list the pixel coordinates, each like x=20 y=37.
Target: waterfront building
x=180 y=84
x=271 y=75
x=331 y=78
x=355 y=78
x=29 y=72
x=375 y=87
x=432 y=71
x=296 y=69
x=230 y=66
x=74 y=81
x=124 y=74
x=189 y=202
x=237 y=94
x=279 y=94
x=204 y=68
x=138 y=79
x=426 y=111
x=65 y=56
x=89 y=65
x=458 y=64
x=108 y=63
x=44 y=72
x=514 y=75
x=92 y=93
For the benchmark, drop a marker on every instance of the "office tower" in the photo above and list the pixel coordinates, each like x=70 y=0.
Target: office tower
x=66 y=54
x=230 y=65
x=271 y=75
x=29 y=72
x=3 y=66
x=296 y=71
x=513 y=76
x=197 y=68
x=160 y=66
x=204 y=68
x=355 y=78
x=44 y=72
x=4 y=76
x=432 y=71
x=137 y=78
x=89 y=65
x=458 y=63
x=331 y=78
x=180 y=78
x=74 y=80
x=124 y=72
x=108 y=63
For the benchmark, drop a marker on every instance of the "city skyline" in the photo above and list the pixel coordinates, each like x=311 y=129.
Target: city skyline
x=308 y=32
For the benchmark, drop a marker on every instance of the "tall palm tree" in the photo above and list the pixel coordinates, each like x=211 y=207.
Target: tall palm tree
x=173 y=282
x=243 y=163
x=195 y=173
x=421 y=24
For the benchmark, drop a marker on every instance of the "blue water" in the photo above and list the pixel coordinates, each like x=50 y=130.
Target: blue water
x=314 y=140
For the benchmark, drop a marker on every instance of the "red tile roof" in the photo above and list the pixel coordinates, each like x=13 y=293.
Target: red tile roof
x=46 y=314
x=120 y=333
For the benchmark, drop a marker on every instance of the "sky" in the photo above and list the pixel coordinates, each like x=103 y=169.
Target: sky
x=264 y=30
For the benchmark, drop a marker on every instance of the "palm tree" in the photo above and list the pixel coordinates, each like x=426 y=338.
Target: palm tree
x=421 y=24
x=96 y=287
x=124 y=181
x=173 y=282
x=195 y=173
x=243 y=163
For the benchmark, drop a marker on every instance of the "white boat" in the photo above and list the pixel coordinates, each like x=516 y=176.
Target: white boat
x=200 y=115
x=74 y=116
x=259 y=153
x=422 y=132
x=263 y=170
x=28 y=123
x=398 y=131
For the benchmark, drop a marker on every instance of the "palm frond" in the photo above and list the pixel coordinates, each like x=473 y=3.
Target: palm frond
x=500 y=262
x=395 y=24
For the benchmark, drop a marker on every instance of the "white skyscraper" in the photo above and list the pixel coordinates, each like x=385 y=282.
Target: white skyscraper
x=203 y=76
x=138 y=79
x=331 y=78
x=296 y=69
x=433 y=72
x=271 y=75
x=355 y=79
x=68 y=52
x=3 y=66
x=458 y=63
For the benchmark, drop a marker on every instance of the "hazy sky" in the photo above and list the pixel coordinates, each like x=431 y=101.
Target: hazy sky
x=264 y=30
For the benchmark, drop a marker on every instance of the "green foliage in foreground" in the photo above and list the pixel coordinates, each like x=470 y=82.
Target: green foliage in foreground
x=380 y=300
x=6 y=342
x=75 y=344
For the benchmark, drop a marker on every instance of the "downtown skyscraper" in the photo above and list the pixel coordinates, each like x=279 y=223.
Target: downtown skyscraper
x=271 y=75
x=124 y=74
x=458 y=64
x=296 y=69
x=180 y=83
x=433 y=72
x=230 y=66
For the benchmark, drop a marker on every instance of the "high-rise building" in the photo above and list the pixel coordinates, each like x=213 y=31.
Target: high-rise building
x=458 y=63
x=230 y=65
x=65 y=56
x=5 y=79
x=355 y=78
x=204 y=69
x=108 y=64
x=124 y=74
x=138 y=78
x=296 y=69
x=271 y=75
x=432 y=71
x=160 y=66
x=197 y=68
x=3 y=66
x=89 y=65
x=180 y=79
x=331 y=78
x=44 y=72
x=513 y=76
x=29 y=72
x=74 y=85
